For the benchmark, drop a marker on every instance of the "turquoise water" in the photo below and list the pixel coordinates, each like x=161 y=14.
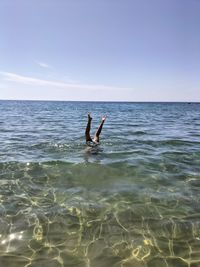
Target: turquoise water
x=134 y=201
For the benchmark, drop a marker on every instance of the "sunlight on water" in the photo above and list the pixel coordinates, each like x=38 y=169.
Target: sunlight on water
x=132 y=202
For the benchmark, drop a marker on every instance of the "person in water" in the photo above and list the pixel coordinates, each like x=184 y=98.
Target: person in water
x=95 y=141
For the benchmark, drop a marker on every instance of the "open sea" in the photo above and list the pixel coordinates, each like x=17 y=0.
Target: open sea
x=132 y=202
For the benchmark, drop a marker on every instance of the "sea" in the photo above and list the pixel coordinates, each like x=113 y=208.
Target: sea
x=132 y=201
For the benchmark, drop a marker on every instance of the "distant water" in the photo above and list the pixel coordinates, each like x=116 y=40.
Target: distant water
x=134 y=202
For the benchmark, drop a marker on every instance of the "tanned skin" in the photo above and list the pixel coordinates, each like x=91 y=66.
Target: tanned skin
x=98 y=132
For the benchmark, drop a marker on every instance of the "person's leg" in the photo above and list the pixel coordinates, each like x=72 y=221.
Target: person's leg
x=87 y=130
x=97 y=134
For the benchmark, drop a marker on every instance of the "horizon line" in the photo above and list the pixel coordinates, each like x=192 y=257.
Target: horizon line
x=99 y=101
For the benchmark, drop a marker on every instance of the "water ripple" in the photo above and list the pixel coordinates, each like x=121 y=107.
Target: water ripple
x=134 y=201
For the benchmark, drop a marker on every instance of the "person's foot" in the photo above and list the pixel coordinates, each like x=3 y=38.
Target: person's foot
x=89 y=117
x=104 y=118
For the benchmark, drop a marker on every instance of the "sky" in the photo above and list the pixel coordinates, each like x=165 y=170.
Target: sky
x=100 y=50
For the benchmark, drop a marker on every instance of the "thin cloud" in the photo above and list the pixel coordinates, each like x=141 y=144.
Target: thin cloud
x=13 y=77
x=44 y=65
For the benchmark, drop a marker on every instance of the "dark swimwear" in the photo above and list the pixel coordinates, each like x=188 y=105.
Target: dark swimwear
x=92 y=143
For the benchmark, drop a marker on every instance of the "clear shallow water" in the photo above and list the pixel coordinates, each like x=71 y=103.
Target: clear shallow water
x=132 y=202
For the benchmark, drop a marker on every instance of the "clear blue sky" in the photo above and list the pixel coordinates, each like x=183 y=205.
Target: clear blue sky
x=128 y=50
